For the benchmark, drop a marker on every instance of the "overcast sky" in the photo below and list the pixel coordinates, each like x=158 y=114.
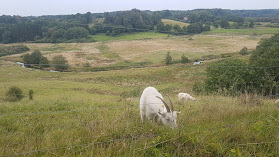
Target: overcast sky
x=58 y=7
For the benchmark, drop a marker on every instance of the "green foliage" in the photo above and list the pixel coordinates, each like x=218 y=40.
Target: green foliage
x=231 y=77
x=195 y=28
x=266 y=55
x=14 y=94
x=30 y=94
x=224 y=23
x=6 y=37
x=35 y=58
x=227 y=76
x=10 y=50
x=251 y=24
x=244 y=51
x=76 y=33
x=132 y=19
x=184 y=59
x=60 y=63
x=199 y=88
x=168 y=59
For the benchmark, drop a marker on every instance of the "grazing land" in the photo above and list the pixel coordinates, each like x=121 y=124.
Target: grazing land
x=172 y=22
x=145 y=48
x=97 y=113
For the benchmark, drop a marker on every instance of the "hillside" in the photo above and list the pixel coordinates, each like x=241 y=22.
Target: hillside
x=93 y=108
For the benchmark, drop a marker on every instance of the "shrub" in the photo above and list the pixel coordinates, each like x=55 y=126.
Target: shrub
x=266 y=80
x=60 y=63
x=76 y=33
x=10 y=50
x=184 y=59
x=36 y=58
x=14 y=94
x=244 y=51
x=30 y=94
x=227 y=77
x=168 y=59
x=199 y=88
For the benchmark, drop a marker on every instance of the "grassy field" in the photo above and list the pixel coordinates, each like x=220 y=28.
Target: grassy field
x=151 y=51
x=255 y=31
x=101 y=124
x=173 y=22
x=97 y=113
x=132 y=36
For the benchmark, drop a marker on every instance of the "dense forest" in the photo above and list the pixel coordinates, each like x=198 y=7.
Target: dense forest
x=81 y=27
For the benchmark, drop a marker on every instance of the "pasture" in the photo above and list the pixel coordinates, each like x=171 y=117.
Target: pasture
x=97 y=113
x=144 y=49
x=173 y=22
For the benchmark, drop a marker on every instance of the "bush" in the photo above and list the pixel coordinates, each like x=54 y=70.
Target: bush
x=244 y=51
x=266 y=80
x=14 y=94
x=76 y=33
x=60 y=63
x=10 y=50
x=30 y=94
x=35 y=58
x=199 y=88
x=168 y=59
x=184 y=59
x=261 y=77
x=227 y=77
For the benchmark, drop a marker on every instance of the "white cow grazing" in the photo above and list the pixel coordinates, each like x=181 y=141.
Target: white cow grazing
x=155 y=108
x=185 y=96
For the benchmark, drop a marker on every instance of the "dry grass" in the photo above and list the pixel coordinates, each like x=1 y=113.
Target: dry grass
x=172 y=22
x=152 y=50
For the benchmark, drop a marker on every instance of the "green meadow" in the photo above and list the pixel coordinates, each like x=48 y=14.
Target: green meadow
x=97 y=113
x=131 y=36
x=252 y=31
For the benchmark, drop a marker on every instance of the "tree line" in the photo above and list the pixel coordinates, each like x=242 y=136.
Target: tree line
x=75 y=28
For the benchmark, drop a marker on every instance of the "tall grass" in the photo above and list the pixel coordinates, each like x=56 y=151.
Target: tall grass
x=211 y=126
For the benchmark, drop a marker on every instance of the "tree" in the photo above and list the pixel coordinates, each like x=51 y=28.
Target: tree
x=195 y=28
x=168 y=59
x=44 y=63
x=7 y=37
x=168 y=27
x=76 y=33
x=60 y=63
x=224 y=23
x=206 y=28
x=177 y=28
x=160 y=27
x=251 y=24
x=215 y=24
x=35 y=58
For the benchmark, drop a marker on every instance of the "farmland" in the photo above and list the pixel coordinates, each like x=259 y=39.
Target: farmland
x=97 y=113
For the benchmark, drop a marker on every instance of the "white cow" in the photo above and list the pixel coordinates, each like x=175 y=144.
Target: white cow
x=277 y=101
x=153 y=107
x=185 y=96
